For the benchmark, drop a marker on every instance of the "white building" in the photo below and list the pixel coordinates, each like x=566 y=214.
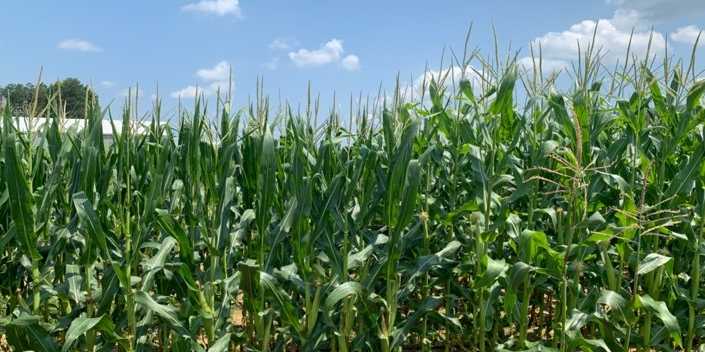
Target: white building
x=25 y=124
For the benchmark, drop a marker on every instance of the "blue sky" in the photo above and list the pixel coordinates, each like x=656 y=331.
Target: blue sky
x=346 y=47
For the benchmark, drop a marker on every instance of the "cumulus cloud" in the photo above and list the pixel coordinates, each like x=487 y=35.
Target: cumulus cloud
x=448 y=78
x=687 y=34
x=612 y=37
x=220 y=87
x=214 y=80
x=208 y=89
x=78 y=45
x=548 y=66
x=329 y=53
x=613 y=34
x=187 y=92
x=215 y=7
x=351 y=63
x=660 y=10
x=219 y=72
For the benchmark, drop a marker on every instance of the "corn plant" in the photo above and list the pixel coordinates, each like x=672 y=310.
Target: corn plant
x=496 y=210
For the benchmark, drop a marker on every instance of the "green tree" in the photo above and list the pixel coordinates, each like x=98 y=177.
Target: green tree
x=21 y=96
x=73 y=95
x=69 y=94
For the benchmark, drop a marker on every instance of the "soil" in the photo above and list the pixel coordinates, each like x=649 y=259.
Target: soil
x=4 y=346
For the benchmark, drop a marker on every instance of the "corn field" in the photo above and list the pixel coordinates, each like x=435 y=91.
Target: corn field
x=491 y=212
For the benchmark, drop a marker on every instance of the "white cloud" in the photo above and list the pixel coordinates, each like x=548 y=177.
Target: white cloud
x=328 y=53
x=448 y=78
x=282 y=44
x=107 y=84
x=78 y=45
x=687 y=34
x=219 y=72
x=218 y=87
x=614 y=35
x=612 y=38
x=187 y=92
x=215 y=7
x=547 y=66
x=351 y=63
x=215 y=80
x=661 y=10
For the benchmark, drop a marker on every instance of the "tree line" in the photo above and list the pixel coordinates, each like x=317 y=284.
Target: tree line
x=66 y=97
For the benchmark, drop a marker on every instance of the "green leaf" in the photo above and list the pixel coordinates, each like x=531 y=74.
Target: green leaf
x=388 y=131
x=652 y=262
x=169 y=226
x=425 y=263
x=577 y=320
x=82 y=325
x=96 y=235
x=344 y=290
x=74 y=281
x=495 y=269
x=225 y=213
x=25 y=334
x=157 y=262
x=695 y=94
x=19 y=194
x=356 y=259
x=168 y=313
x=222 y=344
x=662 y=312
x=503 y=103
x=529 y=243
x=612 y=299
x=429 y=304
x=688 y=170
x=411 y=188
x=285 y=303
x=466 y=89
x=518 y=273
x=400 y=165
x=590 y=343
x=89 y=219
x=266 y=180
x=557 y=103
